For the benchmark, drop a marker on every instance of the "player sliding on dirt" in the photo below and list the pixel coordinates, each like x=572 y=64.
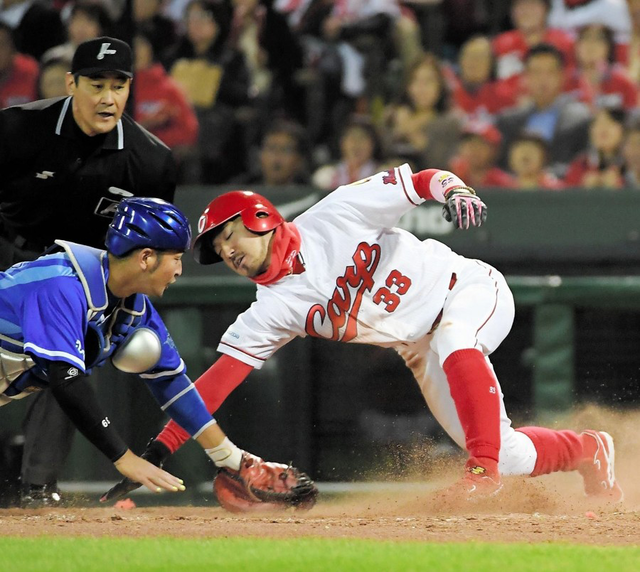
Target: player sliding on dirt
x=66 y=313
x=343 y=271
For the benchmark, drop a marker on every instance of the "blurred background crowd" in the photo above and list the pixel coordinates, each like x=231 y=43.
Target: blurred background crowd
x=522 y=94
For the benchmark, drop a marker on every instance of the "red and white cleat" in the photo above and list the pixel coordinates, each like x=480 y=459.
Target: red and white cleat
x=479 y=483
x=597 y=468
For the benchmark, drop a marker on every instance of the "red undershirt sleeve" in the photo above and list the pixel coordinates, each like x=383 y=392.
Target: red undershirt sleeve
x=214 y=386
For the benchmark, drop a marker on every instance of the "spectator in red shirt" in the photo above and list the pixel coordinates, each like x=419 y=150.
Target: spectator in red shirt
x=477 y=157
x=528 y=158
x=529 y=18
x=602 y=164
x=598 y=79
x=476 y=92
x=160 y=104
x=18 y=72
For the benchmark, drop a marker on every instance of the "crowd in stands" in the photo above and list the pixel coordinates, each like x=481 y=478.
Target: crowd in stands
x=538 y=94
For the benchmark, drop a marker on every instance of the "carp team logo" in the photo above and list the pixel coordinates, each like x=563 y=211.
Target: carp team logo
x=341 y=312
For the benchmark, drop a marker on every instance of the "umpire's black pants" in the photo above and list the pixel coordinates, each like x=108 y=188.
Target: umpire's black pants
x=48 y=436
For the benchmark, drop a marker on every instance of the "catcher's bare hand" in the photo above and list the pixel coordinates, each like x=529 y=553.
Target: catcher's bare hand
x=143 y=472
x=464 y=208
x=156 y=453
x=261 y=486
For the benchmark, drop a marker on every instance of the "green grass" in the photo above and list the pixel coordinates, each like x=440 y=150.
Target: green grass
x=46 y=553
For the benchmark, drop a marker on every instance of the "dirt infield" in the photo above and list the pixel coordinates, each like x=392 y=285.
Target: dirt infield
x=340 y=521
x=551 y=508
x=612 y=529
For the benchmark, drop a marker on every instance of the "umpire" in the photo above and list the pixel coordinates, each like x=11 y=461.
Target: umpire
x=65 y=164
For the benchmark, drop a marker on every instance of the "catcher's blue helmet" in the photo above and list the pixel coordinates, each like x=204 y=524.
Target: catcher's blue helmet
x=147 y=223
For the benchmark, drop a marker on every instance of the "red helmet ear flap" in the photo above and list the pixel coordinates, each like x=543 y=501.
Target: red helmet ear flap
x=261 y=217
x=258 y=215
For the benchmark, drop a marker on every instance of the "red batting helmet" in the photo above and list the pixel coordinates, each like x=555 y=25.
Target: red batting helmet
x=258 y=215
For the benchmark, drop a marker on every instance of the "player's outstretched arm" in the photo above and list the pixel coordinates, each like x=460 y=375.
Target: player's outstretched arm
x=245 y=482
x=214 y=386
x=77 y=399
x=461 y=204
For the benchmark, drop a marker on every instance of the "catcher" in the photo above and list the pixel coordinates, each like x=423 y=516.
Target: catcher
x=70 y=311
x=343 y=271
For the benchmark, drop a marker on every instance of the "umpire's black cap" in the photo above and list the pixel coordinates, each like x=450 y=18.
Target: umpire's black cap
x=102 y=54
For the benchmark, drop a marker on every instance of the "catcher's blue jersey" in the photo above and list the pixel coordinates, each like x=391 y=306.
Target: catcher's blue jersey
x=49 y=306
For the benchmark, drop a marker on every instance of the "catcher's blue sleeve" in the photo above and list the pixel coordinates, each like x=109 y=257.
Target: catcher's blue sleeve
x=169 y=384
x=181 y=400
x=54 y=321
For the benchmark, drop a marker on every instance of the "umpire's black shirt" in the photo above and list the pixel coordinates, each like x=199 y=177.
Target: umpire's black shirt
x=57 y=182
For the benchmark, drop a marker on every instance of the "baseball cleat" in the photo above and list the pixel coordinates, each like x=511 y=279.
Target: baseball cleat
x=597 y=468
x=41 y=496
x=479 y=483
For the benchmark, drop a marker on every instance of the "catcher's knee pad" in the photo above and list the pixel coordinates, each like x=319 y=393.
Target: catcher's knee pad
x=139 y=352
x=12 y=366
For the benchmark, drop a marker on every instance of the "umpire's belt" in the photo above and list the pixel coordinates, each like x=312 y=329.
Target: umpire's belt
x=438 y=319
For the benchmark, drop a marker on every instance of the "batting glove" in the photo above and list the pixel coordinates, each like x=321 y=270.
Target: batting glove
x=464 y=208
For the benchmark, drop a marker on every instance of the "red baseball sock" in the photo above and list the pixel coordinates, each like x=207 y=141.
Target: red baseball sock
x=557 y=450
x=475 y=394
x=214 y=386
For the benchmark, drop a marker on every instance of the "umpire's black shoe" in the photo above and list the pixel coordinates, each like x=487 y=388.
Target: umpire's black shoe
x=40 y=496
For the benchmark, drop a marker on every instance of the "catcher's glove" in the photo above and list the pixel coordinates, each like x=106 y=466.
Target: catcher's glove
x=260 y=486
x=464 y=208
x=156 y=453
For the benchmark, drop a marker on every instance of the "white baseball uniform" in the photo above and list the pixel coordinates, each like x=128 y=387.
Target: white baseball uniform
x=366 y=281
